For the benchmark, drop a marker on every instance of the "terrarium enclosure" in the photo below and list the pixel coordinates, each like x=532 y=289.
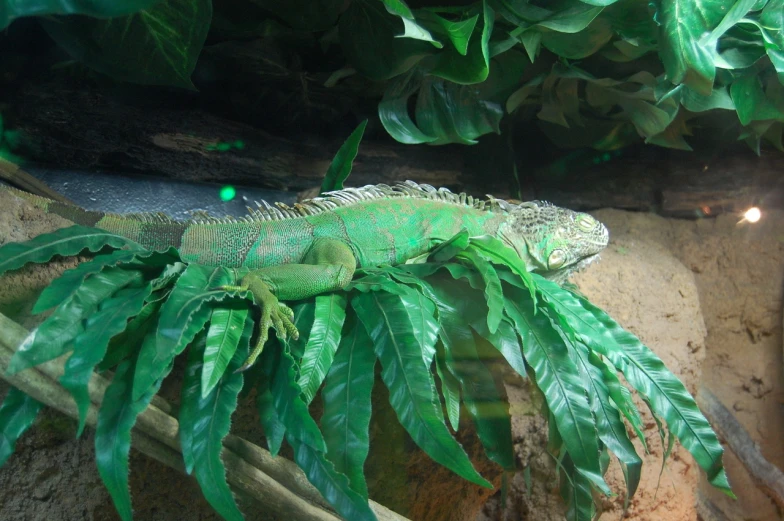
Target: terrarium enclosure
x=661 y=120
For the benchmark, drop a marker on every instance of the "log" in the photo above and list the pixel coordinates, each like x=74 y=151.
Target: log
x=85 y=128
x=768 y=477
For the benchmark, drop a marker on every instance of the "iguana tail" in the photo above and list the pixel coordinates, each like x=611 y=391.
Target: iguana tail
x=151 y=230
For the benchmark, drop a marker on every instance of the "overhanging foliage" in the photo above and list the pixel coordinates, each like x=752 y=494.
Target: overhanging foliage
x=598 y=73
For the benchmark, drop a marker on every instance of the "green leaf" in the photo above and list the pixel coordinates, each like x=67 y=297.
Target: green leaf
x=156 y=46
x=89 y=346
x=750 y=101
x=499 y=253
x=772 y=26
x=287 y=398
x=459 y=32
x=274 y=429
x=458 y=308
x=17 y=414
x=340 y=168
x=204 y=422
x=576 y=492
x=368 y=36
x=223 y=338
x=612 y=431
x=322 y=343
x=449 y=248
x=66 y=284
x=333 y=486
x=116 y=418
x=53 y=338
x=573 y=19
x=685 y=46
x=411 y=29
x=124 y=344
x=473 y=66
x=645 y=372
x=421 y=311
x=560 y=382
x=393 y=110
x=410 y=383
x=305 y=15
x=304 y=314
x=66 y=242
x=11 y=9
x=454 y=113
x=347 y=405
x=492 y=287
x=181 y=317
x=578 y=45
x=450 y=388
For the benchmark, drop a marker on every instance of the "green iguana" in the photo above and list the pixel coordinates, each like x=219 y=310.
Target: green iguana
x=315 y=246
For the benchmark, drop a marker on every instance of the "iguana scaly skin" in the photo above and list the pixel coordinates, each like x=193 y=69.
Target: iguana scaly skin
x=315 y=246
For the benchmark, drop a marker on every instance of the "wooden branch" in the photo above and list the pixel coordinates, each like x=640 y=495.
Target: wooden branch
x=767 y=476
x=249 y=468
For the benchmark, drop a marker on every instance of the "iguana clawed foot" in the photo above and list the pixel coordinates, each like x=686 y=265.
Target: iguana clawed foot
x=274 y=314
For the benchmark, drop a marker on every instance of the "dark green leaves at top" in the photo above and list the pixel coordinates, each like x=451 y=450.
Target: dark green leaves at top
x=155 y=46
x=65 y=242
x=368 y=35
x=347 y=405
x=473 y=66
x=204 y=422
x=17 y=414
x=772 y=26
x=340 y=168
x=181 y=317
x=305 y=15
x=411 y=386
x=11 y=9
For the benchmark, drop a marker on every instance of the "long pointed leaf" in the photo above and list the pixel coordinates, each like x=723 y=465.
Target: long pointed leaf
x=116 y=418
x=124 y=344
x=560 y=382
x=274 y=429
x=65 y=242
x=411 y=387
x=181 y=317
x=333 y=485
x=287 y=398
x=323 y=342
x=450 y=388
x=340 y=167
x=646 y=373
x=90 y=345
x=492 y=288
x=53 y=338
x=347 y=406
x=17 y=414
x=223 y=338
x=458 y=307
x=204 y=422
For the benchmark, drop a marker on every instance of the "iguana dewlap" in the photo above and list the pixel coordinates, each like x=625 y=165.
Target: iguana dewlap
x=315 y=246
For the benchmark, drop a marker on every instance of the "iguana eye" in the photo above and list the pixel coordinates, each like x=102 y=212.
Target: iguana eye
x=586 y=224
x=556 y=259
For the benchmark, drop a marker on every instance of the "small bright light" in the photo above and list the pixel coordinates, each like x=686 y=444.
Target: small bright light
x=752 y=215
x=227 y=193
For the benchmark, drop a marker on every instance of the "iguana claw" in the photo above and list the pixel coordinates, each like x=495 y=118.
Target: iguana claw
x=274 y=314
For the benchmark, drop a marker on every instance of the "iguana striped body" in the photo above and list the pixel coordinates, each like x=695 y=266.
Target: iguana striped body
x=315 y=246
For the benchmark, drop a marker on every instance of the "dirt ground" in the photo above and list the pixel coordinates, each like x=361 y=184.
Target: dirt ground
x=705 y=295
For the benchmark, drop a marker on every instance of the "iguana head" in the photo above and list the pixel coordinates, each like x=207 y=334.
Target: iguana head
x=553 y=241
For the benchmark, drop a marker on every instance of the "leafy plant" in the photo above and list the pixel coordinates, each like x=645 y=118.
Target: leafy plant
x=418 y=320
x=601 y=74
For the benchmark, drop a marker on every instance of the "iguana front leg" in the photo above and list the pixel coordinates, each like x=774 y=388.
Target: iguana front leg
x=327 y=266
